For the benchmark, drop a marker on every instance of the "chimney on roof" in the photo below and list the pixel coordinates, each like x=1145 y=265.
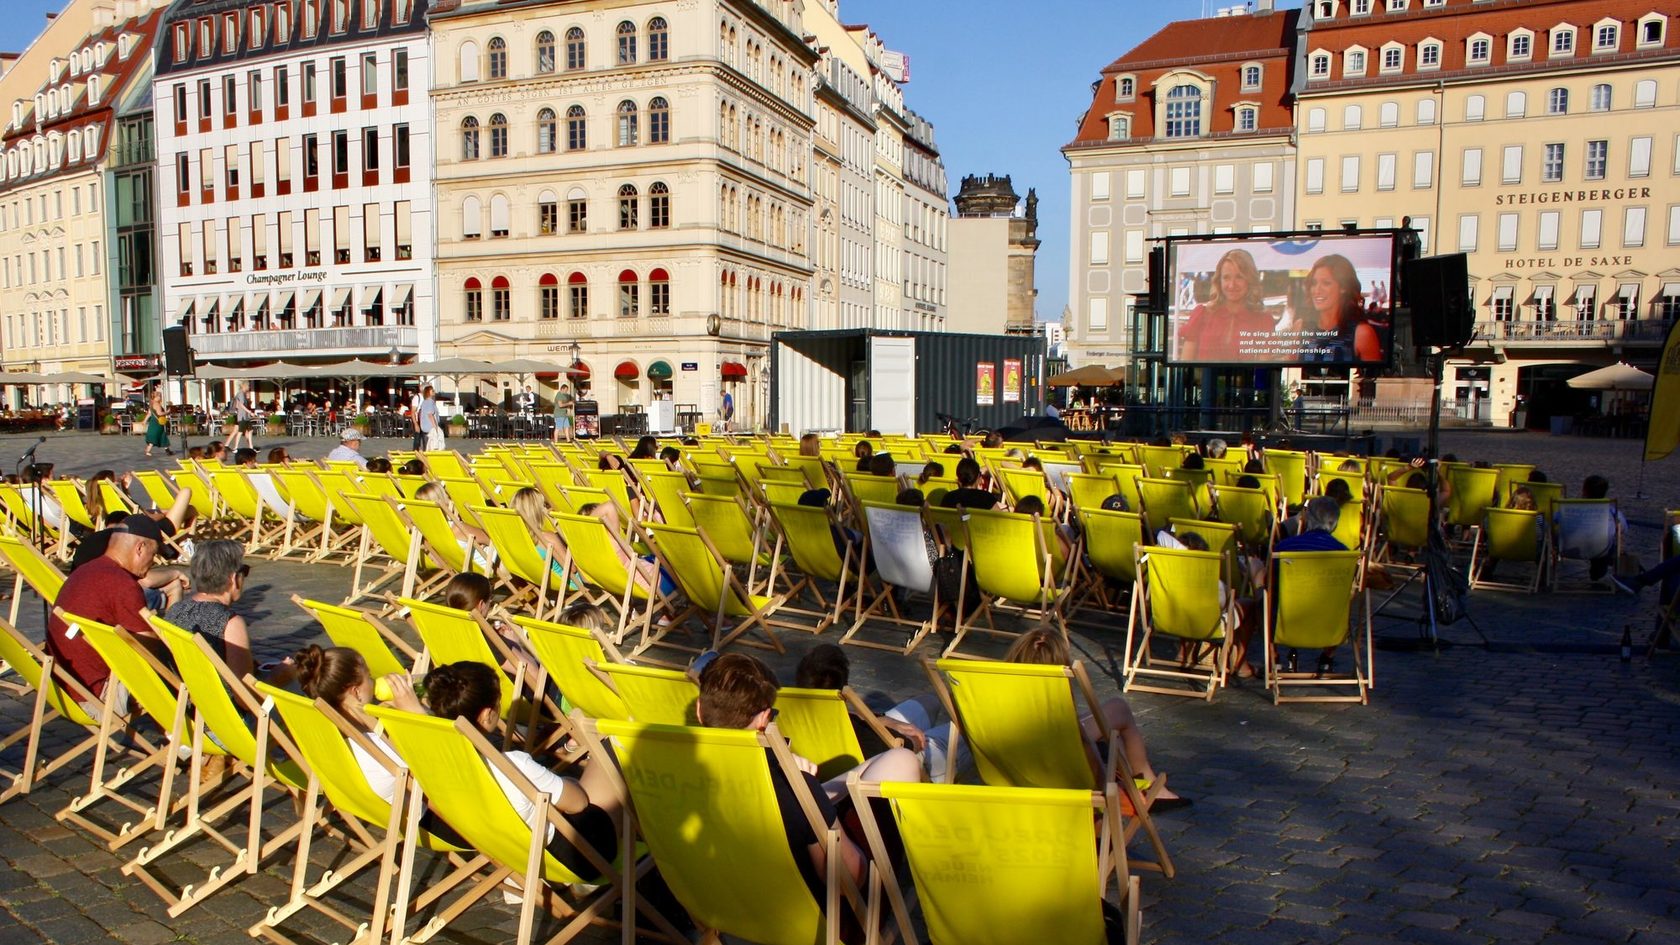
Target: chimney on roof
x=1263 y=6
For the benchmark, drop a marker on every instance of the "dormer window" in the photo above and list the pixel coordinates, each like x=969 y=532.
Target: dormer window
x=1563 y=41
x=1125 y=88
x=183 y=42
x=1607 y=35
x=1119 y=127
x=1651 y=30
x=1248 y=118
x=1251 y=76
x=1393 y=57
x=255 y=31
x=1429 y=54
x=206 y=37
x=1184 y=111
x=1398 y=6
x=1318 y=66
x=230 y=32
x=1359 y=7
x=1325 y=10
x=1520 y=46
x=1478 y=50
x=1353 y=62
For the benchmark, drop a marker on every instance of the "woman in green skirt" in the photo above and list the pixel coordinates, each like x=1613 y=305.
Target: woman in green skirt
x=157 y=424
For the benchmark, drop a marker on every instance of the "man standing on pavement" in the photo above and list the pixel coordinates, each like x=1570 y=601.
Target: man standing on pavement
x=426 y=420
x=244 y=418
x=564 y=403
x=414 y=421
x=349 y=447
x=106 y=590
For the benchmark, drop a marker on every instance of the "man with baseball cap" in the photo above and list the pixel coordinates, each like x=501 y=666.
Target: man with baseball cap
x=349 y=447
x=106 y=589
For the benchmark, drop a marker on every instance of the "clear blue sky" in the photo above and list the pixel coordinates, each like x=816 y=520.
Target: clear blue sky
x=1003 y=81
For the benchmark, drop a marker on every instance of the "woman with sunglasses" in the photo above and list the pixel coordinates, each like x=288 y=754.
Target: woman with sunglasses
x=218 y=576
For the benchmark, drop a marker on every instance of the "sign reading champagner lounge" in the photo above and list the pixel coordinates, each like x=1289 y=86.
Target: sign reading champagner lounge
x=286 y=278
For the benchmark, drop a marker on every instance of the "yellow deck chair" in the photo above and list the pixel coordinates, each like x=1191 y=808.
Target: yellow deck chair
x=1201 y=485
x=70 y=499
x=1355 y=482
x=1472 y=495
x=712 y=587
x=1309 y=606
x=782 y=491
x=723 y=849
x=333 y=534
x=818 y=726
x=863 y=487
x=438 y=535
x=1585 y=529
x=372 y=828
x=32 y=568
x=391 y=547
x=115 y=498
x=1403 y=522
x=1251 y=510
x=565 y=653
x=1112 y=540
x=383 y=485
x=595 y=562
x=1510 y=474
x=737 y=535
x=1089 y=492
x=1179 y=597
x=1350 y=525
x=1012 y=565
x=1020 y=483
x=409 y=485
x=666 y=490
x=1291 y=468
x=53 y=694
x=1158 y=460
x=897 y=537
x=1022 y=724
x=809 y=535
x=458 y=636
x=519 y=553
x=1054 y=877
x=16 y=503
x=156 y=487
x=442 y=463
x=235 y=823
x=467 y=495
x=650 y=693
x=240 y=498
x=1513 y=536
x=1165 y=500
x=154 y=691
x=617 y=488
x=816 y=474
x=364 y=632
x=338 y=484
x=1546 y=495
x=1126 y=477
x=456 y=768
x=1230 y=463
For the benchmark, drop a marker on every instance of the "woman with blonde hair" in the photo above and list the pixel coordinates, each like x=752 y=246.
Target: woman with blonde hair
x=468 y=535
x=532 y=507
x=1230 y=326
x=157 y=423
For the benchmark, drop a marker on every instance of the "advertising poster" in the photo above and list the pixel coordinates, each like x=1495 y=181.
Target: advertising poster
x=985 y=383
x=1011 y=380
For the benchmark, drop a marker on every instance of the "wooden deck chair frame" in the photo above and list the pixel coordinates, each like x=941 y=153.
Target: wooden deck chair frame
x=235 y=492
x=818 y=726
x=1472 y=495
x=517 y=551
x=1047 y=606
x=1572 y=516
x=366 y=633
x=900 y=555
x=1107 y=768
x=592 y=901
x=348 y=795
x=727 y=599
x=453 y=557
x=296 y=531
x=1112 y=558
x=1201 y=671
x=33 y=568
x=53 y=694
x=1503 y=532
x=967 y=920
x=588 y=543
x=319 y=504
x=750 y=914
x=1351 y=603
x=235 y=823
x=813 y=555
x=150 y=816
x=731 y=525
x=390 y=546
x=22 y=515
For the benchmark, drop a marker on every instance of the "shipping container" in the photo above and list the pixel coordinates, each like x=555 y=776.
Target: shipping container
x=899 y=382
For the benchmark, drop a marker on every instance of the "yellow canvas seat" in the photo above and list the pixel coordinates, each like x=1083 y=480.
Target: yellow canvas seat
x=468 y=496
x=1252 y=511
x=454 y=555
x=737 y=535
x=53 y=694
x=33 y=569
x=264 y=526
x=1472 y=495
x=1200 y=482
x=235 y=823
x=372 y=828
x=333 y=533
x=70 y=499
x=1586 y=530
x=1183 y=595
x=365 y=633
x=1052 y=882
x=809 y=535
x=1290 y=466
x=898 y=544
x=712 y=587
x=1022 y=723
x=652 y=693
x=1165 y=500
x=517 y=551
x=566 y=653
x=1111 y=544
x=666 y=489
x=1012 y=564
x=453 y=764
x=1157 y=460
x=1309 y=605
x=1546 y=496
x=459 y=636
x=863 y=487
x=722 y=848
x=596 y=561
x=1515 y=537
x=1403 y=521
x=444 y=463
x=24 y=522
x=392 y=544
x=1355 y=482
x=818 y=726
x=1021 y=483
x=1086 y=491
x=1510 y=476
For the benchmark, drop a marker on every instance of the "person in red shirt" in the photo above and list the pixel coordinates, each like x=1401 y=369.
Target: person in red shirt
x=106 y=589
x=1231 y=326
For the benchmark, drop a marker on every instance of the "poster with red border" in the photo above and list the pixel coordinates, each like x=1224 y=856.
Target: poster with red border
x=1011 y=380
x=985 y=383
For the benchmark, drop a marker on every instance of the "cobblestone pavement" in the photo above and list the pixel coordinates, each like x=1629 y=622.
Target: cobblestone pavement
x=1523 y=788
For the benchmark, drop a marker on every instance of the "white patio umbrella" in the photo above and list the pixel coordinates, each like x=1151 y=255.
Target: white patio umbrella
x=1618 y=376
x=454 y=369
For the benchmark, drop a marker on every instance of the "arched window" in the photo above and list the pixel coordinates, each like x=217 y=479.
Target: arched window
x=629 y=295
x=548 y=297
x=1426 y=111
x=1601 y=97
x=629 y=203
x=658 y=40
x=498 y=58
x=1353 y=117
x=1247 y=118
x=548 y=213
x=577 y=132
x=474 y=300
x=501 y=216
x=1557 y=101
x=659 y=121
x=659 y=206
x=626 y=43
x=498 y=135
x=577 y=295
x=545 y=52
x=659 y=292
x=628 y=124
x=469 y=138
x=574 y=49
x=469 y=61
x=1184 y=112
x=501 y=299
x=545 y=131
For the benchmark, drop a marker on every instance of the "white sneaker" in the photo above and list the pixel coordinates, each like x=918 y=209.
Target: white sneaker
x=186 y=551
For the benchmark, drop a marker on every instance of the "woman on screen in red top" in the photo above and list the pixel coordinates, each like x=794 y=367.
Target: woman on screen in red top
x=1231 y=326
x=1338 y=312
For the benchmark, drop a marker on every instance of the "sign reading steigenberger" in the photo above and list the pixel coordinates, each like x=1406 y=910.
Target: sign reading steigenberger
x=286 y=278
x=1601 y=195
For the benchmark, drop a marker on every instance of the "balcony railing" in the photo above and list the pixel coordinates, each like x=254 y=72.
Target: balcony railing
x=1571 y=331
x=364 y=339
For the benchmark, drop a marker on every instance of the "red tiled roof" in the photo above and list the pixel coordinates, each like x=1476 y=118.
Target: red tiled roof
x=1215 y=37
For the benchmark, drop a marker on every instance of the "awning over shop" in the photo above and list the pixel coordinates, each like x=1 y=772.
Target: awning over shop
x=1542 y=294
x=627 y=371
x=659 y=371
x=1584 y=294
x=734 y=370
x=578 y=371
x=1502 y=293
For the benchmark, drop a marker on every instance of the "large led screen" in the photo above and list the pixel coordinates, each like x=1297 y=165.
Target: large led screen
x=1281 y=301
